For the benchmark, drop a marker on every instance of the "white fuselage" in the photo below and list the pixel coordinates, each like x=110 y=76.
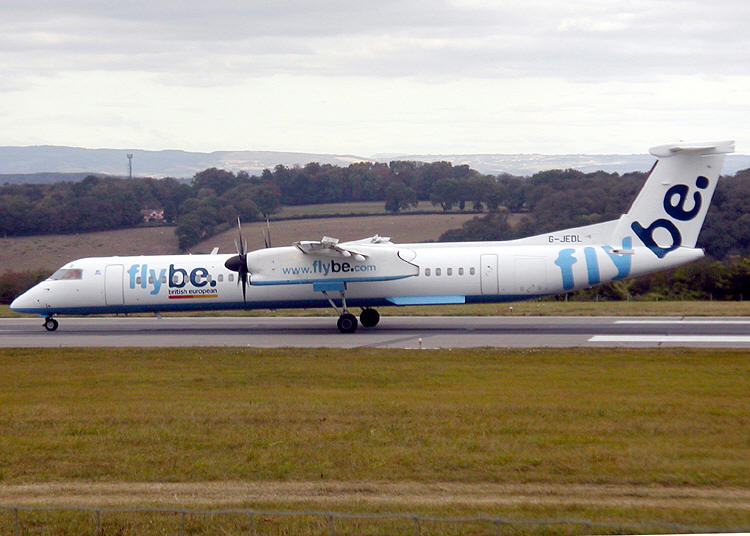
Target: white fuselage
x=658 y=232
x=392 y=274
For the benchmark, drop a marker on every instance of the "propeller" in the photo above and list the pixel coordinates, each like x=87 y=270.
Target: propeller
x=267 y=234
x=238 y=263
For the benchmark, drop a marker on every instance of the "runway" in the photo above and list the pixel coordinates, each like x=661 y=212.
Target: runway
x=392 y=332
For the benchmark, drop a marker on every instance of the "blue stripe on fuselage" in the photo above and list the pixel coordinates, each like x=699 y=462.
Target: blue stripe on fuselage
x=226 y=306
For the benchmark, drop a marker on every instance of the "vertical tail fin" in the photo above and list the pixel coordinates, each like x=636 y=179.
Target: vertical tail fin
x=670 y=209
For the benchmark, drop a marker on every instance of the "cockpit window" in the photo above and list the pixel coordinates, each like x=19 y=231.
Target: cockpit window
x=67 y=273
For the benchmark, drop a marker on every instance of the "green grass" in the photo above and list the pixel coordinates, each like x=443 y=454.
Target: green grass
x=528 y=417
x=610 y=416
x=525 y=308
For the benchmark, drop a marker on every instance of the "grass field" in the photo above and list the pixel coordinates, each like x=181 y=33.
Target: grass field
x=402 y=228
x=52 y=251
x=616 y=435
x=342 y=209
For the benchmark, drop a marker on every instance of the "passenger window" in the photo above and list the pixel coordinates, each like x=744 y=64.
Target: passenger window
x=138 y=280
x=449 y=271
x=471 y=271
x=427 y=272
x=460 y=271
x=437 y=271
x=150 y=280
x=221 y=278
x=231 y=277
x=164 y=279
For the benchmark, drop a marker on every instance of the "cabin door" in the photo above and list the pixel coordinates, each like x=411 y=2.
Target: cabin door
x=113 y=277
x=488 y=271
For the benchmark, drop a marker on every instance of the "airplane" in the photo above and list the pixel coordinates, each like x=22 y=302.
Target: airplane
x=658 y=232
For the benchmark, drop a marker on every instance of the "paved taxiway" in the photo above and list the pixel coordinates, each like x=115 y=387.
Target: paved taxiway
x=393 y=332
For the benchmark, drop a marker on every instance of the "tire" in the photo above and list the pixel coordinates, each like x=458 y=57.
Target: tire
x=369 y=318
x=50 y=324
x=347 y=323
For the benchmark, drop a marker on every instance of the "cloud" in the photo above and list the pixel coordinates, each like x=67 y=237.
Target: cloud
x=381 y=39
x=390 y=76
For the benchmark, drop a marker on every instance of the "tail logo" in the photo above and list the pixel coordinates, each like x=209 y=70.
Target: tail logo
x=674 y=206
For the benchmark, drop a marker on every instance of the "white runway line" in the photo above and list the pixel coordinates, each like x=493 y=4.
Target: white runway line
x=716 y=322
x=672 y=338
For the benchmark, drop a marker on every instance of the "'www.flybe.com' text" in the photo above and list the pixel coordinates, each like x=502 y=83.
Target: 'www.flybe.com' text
x=330 y=267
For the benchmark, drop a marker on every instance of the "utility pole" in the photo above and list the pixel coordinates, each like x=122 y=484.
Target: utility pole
x=130 y=165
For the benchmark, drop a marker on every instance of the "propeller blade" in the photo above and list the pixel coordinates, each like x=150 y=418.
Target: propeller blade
x=242 y=245
x=267 y=234
x=238 y=263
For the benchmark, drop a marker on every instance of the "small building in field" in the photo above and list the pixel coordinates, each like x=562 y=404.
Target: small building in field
x=153 y=215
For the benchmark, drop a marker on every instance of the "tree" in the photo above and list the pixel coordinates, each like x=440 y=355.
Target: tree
x=238 y=202
x=188 y=231
x=399 y=197
x=218 y=180
x=446 y=193
x=267 y=198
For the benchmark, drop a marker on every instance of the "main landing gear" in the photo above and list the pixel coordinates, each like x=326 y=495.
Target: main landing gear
x=369 y=318
x=50 y=324
x=347 y=322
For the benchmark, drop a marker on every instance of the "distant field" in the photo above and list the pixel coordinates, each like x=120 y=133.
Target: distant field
x=611 y=435
x=362 y=207
x=51 y=251
x=401 y=228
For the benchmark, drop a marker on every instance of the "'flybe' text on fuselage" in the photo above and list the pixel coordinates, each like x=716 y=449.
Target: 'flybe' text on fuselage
x=144 y=277
x=566 y=259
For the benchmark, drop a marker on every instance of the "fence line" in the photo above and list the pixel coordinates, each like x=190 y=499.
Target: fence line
x=329 y=517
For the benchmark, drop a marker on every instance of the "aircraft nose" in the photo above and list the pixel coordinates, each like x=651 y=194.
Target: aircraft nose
x=24 y=302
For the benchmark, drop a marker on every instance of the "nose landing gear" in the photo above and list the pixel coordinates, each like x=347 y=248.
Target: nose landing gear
x=50 y=324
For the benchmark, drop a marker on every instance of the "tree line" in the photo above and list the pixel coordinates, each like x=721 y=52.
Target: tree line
x=553 y=200
x=92 y=204
x=511 y=206
x=214 y=198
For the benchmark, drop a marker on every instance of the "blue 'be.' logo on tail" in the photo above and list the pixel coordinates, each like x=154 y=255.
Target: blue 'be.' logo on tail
x=676 y=210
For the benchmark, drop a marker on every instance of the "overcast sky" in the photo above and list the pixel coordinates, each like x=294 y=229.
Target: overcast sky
x=363 y=78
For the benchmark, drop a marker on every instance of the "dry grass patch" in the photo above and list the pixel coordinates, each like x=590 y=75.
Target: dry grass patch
x=401 y=228
x=48 y=252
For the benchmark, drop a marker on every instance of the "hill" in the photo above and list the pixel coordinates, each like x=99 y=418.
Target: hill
x=175 y=163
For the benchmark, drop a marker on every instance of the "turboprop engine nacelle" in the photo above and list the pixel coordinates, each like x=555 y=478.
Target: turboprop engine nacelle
x=292 y=265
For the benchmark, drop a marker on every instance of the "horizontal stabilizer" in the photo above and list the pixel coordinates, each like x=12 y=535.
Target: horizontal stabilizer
x=720 y=147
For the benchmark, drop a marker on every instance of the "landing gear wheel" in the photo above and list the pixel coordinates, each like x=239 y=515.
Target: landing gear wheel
x=50 y=324
x=369 y=318
x=347 y=323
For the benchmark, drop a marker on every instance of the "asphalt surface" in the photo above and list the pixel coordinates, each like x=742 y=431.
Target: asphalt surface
x=392 y=332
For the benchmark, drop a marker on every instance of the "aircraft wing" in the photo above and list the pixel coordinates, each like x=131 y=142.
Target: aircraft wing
x=330 y=247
